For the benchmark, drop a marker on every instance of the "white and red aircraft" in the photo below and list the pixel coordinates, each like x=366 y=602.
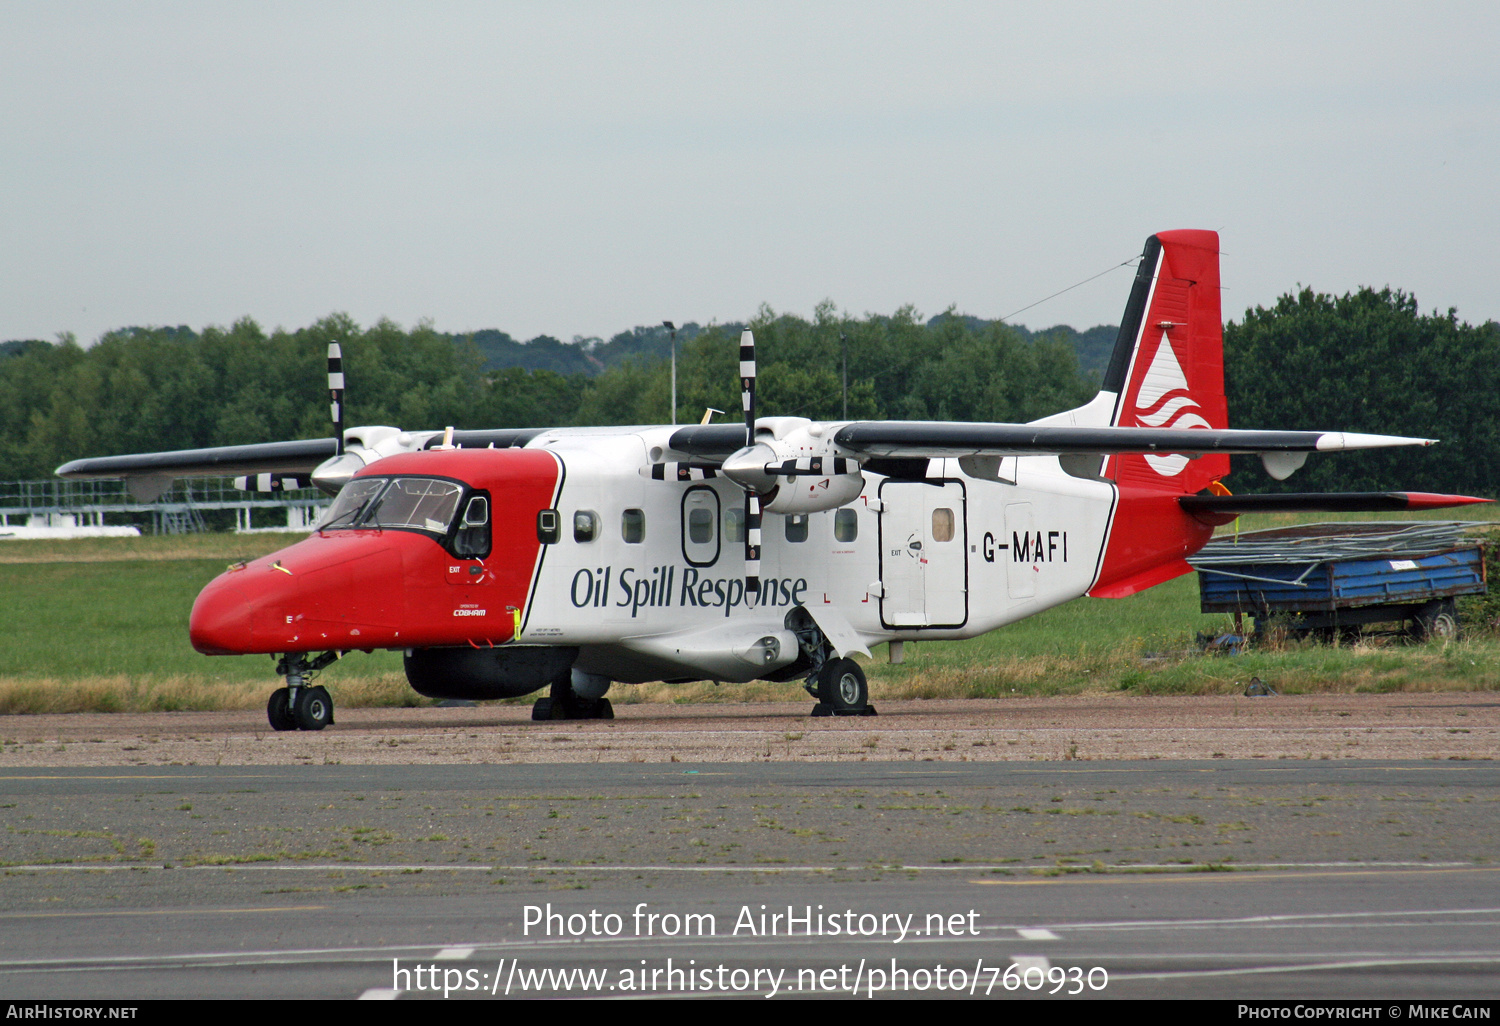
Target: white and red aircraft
x=502 y=562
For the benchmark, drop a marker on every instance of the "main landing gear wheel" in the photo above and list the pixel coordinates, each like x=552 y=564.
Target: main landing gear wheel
x=842 y=690
x=313 y=708
x=279 y=710
x=564 y=703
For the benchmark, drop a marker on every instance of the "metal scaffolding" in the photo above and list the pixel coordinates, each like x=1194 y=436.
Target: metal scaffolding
x=59 y=503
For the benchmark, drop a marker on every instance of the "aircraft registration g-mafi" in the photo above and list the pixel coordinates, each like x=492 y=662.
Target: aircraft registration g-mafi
x=502 y=562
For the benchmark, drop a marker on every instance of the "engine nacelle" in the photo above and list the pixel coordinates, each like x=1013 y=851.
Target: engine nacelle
x=797 y=470
x=811 y=494
x=478 y=674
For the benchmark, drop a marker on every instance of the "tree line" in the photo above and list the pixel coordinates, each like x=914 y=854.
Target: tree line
x=151 y=389
x=1365 y=361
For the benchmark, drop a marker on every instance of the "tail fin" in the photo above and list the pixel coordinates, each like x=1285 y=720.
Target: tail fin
x=1167 y=369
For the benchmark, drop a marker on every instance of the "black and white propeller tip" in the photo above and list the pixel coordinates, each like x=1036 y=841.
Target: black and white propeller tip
x=336 y=393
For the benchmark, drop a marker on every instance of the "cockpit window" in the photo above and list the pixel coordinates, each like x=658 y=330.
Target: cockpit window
x=351 y=502
x=423 y=503
x=420 y=503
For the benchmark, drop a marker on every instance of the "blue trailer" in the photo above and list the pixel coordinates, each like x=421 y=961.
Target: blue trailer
x=1330 y=580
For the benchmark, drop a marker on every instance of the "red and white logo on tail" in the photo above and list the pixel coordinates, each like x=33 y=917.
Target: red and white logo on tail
x=1165 y=401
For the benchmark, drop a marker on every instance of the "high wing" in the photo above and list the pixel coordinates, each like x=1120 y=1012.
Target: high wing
x=300 y=457
x=149 y=475
x=318 y=460
x=939 y=439
x=936 y=439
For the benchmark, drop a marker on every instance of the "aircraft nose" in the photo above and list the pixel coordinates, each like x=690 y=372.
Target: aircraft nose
x=220 y=621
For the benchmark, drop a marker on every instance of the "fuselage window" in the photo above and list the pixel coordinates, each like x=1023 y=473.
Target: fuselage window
x=633 y=526
x=472 y=539
x=700 y=526
x=734 y=524
x=845 y=525
x=700 y=518
x=585 y=525
x=548 y=526
x=942 y=525
x=796 y=527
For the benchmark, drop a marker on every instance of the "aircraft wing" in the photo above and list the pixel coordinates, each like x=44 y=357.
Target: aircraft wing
x=933 y=439
x=299 y=457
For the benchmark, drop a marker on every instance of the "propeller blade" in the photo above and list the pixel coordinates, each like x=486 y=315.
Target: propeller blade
x=747 y=383
x=272 y=482
x=813 y=466
x=681 y=471
x=336 y=393
x=752 y=544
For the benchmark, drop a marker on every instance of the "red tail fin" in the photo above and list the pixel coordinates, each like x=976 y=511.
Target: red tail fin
x=1173 y=373
x=1167 y=371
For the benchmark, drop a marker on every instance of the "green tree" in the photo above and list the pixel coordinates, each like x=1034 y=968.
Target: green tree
x=1369 y=361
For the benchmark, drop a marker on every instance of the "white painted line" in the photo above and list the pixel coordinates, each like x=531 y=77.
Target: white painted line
x=454 y=954
x=379 y=994
x=1038 y=935
x=1025 y=962
x=1021 y=872
x=1264 y=920
x=1372 y=963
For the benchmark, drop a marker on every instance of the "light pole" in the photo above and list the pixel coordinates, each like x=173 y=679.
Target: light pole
x=844 y=341
x=673 y=329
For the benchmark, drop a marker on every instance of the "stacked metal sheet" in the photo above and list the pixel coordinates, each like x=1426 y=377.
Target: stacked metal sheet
x=1322 y=543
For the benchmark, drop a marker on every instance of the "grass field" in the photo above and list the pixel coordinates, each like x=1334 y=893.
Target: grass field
x=101 y=624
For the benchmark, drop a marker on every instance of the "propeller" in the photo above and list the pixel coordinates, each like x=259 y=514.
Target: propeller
x=765 y=469
x=333 y=473
x=752 y=497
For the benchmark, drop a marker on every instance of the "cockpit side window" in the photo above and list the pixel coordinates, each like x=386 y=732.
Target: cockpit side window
x=351 y=502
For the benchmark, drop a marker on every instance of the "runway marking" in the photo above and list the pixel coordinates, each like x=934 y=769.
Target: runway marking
x=1203 y=872
x=1025 y=962
x=1220 y=767
x=455 y=954
x=381 y=953
x=1037 y=934
x=1372 y=963
x=159 y=912
x=144 y=776
x=1147 y=924
x=1123 y=872
x=379 y=994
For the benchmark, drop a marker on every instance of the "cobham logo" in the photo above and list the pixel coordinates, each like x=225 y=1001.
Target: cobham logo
x=1165 y=401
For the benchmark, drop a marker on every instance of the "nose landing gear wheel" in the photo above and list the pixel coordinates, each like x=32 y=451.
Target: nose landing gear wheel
x=314 y=708
x=279 y=710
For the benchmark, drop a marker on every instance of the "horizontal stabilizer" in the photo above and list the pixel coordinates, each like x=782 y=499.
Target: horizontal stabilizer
x=1322 y=502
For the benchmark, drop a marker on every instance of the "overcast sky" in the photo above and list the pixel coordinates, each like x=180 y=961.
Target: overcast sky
x=576 y=169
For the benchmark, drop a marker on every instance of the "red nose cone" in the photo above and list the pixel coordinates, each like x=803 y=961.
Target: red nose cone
x=220 y=622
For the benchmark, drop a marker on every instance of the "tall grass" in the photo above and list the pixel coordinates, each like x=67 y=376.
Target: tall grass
x=101 y=624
